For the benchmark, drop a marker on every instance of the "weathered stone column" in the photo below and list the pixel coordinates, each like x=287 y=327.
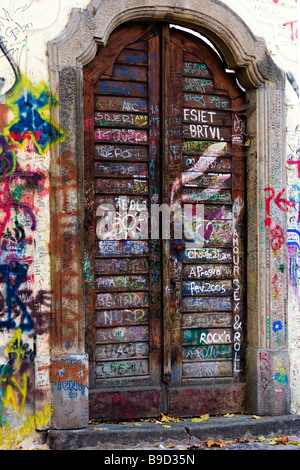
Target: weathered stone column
x=267 y=353
x=69 y=363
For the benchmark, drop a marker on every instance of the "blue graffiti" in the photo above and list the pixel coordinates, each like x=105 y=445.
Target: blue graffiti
x=14 y=274
x=30 y=120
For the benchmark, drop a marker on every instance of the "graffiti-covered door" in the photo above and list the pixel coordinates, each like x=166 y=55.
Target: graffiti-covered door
x=164 y=226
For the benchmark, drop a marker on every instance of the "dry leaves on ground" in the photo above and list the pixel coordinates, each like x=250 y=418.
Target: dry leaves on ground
x=199 y=420
x=279 y=440
x=211 y=443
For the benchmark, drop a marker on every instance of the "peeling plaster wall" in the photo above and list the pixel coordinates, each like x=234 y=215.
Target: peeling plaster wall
x=26 y=135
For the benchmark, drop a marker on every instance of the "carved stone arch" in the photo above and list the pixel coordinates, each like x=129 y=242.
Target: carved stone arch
x=264 y=83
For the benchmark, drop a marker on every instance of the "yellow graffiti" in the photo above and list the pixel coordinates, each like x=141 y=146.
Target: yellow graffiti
x=10 y=438
x=10 y=395
x=10 y=348
x=39 y=98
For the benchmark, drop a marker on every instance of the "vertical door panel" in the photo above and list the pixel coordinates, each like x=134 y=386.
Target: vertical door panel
x=126 y=350
x=209 y=171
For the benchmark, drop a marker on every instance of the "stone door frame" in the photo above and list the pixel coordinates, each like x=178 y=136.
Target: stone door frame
x=267 y=350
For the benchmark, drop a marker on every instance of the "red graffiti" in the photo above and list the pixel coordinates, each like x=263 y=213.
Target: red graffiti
x=268 y=220
x=26 y=135
x=279 y=201
x=277 y=237
x=295 y=163
x=294 y=31
x=275 y=285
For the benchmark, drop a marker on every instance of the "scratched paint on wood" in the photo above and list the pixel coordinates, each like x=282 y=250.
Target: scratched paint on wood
x=207 y=320
x=123 y=300
x=204 y=304
x=117 y=351
x=122 y=317
x=207 y=271
x=207 y=353
x=122 y=334
x=203 y=336
x=122 y=368
x=207 y=369
x=122 y=265
x=208 y=255
x=119 y=153
x=117 y=283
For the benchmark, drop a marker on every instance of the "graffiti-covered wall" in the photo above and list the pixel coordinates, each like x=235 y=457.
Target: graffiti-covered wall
x=27 y=136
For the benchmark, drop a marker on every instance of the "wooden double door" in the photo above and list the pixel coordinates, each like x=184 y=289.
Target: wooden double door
x=165 y=313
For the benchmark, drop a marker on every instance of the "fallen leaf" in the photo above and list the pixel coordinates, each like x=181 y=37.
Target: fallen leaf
x=295 y=443
x=228 y=415
x=199 y=420
x=167 y=419
x=261 y=438
x=279 y=440
x=137 y=424
x=219 y=443
x=255 y=417
x=98 y=429
x=170 y=446
x=165 y=426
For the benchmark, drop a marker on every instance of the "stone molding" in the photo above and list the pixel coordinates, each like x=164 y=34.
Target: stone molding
x=264 y=83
